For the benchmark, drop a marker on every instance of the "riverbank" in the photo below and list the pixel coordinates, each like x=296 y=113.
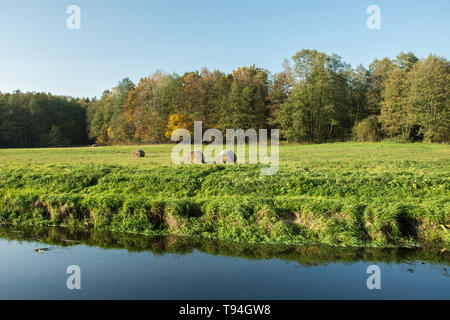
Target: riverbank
x=345 y=194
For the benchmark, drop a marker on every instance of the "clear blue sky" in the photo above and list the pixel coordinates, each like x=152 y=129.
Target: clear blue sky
x=135 y=38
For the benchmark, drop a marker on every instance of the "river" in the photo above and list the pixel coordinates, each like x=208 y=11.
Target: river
x=123 y=266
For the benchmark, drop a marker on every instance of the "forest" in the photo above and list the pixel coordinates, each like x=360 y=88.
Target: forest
x=316 y=98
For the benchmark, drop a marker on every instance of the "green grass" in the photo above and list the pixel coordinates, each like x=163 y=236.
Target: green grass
x=348 y=194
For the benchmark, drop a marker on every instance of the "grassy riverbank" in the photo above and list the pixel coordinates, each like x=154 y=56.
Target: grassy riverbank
x=341 y=194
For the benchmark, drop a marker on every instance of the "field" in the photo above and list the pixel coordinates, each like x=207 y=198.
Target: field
x=347 y=194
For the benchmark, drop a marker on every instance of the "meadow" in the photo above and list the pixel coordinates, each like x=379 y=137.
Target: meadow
x=347 y=194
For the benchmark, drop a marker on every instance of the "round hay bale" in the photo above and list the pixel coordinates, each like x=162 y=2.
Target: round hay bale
x=196 y=157
x=138 y=154
x=226 y=156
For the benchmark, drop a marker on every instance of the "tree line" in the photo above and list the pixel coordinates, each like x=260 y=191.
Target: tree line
x=40 y=120
x=316 y=98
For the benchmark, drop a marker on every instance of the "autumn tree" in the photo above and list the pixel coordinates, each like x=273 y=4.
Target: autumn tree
x=175 y=122
x=106 y=111
x=145 y=115
x=316 y=98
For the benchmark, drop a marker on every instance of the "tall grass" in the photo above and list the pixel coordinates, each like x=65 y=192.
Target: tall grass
x=347 y=194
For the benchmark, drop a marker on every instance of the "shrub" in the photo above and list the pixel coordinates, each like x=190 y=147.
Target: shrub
x=367 y=130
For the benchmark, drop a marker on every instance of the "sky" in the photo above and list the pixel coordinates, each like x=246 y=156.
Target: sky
x=133 y=38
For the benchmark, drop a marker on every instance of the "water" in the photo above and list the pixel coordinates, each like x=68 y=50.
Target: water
x=118 y=266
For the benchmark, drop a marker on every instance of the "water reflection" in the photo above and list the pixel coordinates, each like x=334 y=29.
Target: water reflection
x=304 y=255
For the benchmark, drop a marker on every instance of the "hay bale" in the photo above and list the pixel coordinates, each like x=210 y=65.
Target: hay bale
x=226 y=156
x=196 y=157
x=138 y=154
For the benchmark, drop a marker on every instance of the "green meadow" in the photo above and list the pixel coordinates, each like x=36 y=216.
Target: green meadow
x=347 y=194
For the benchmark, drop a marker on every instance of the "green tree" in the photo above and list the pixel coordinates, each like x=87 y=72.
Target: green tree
x=27 y=119
x=55 y=137
x=359 y=88
x=430 y=98
x=108 y=108
x=378 y=73
x=279 y=87
x=317 y=107
x=396 y=116
x=367 y=130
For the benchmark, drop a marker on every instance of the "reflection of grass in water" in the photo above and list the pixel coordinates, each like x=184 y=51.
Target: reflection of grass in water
x=306 y=255
x=348 y=194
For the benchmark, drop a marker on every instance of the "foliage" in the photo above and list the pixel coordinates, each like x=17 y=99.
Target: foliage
x=39 y=120
x=416 y=99
x=316 y=108
x=176 y=122
x=367 y=130
x=430 y=98
x=396 y=116
x=316 y=98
